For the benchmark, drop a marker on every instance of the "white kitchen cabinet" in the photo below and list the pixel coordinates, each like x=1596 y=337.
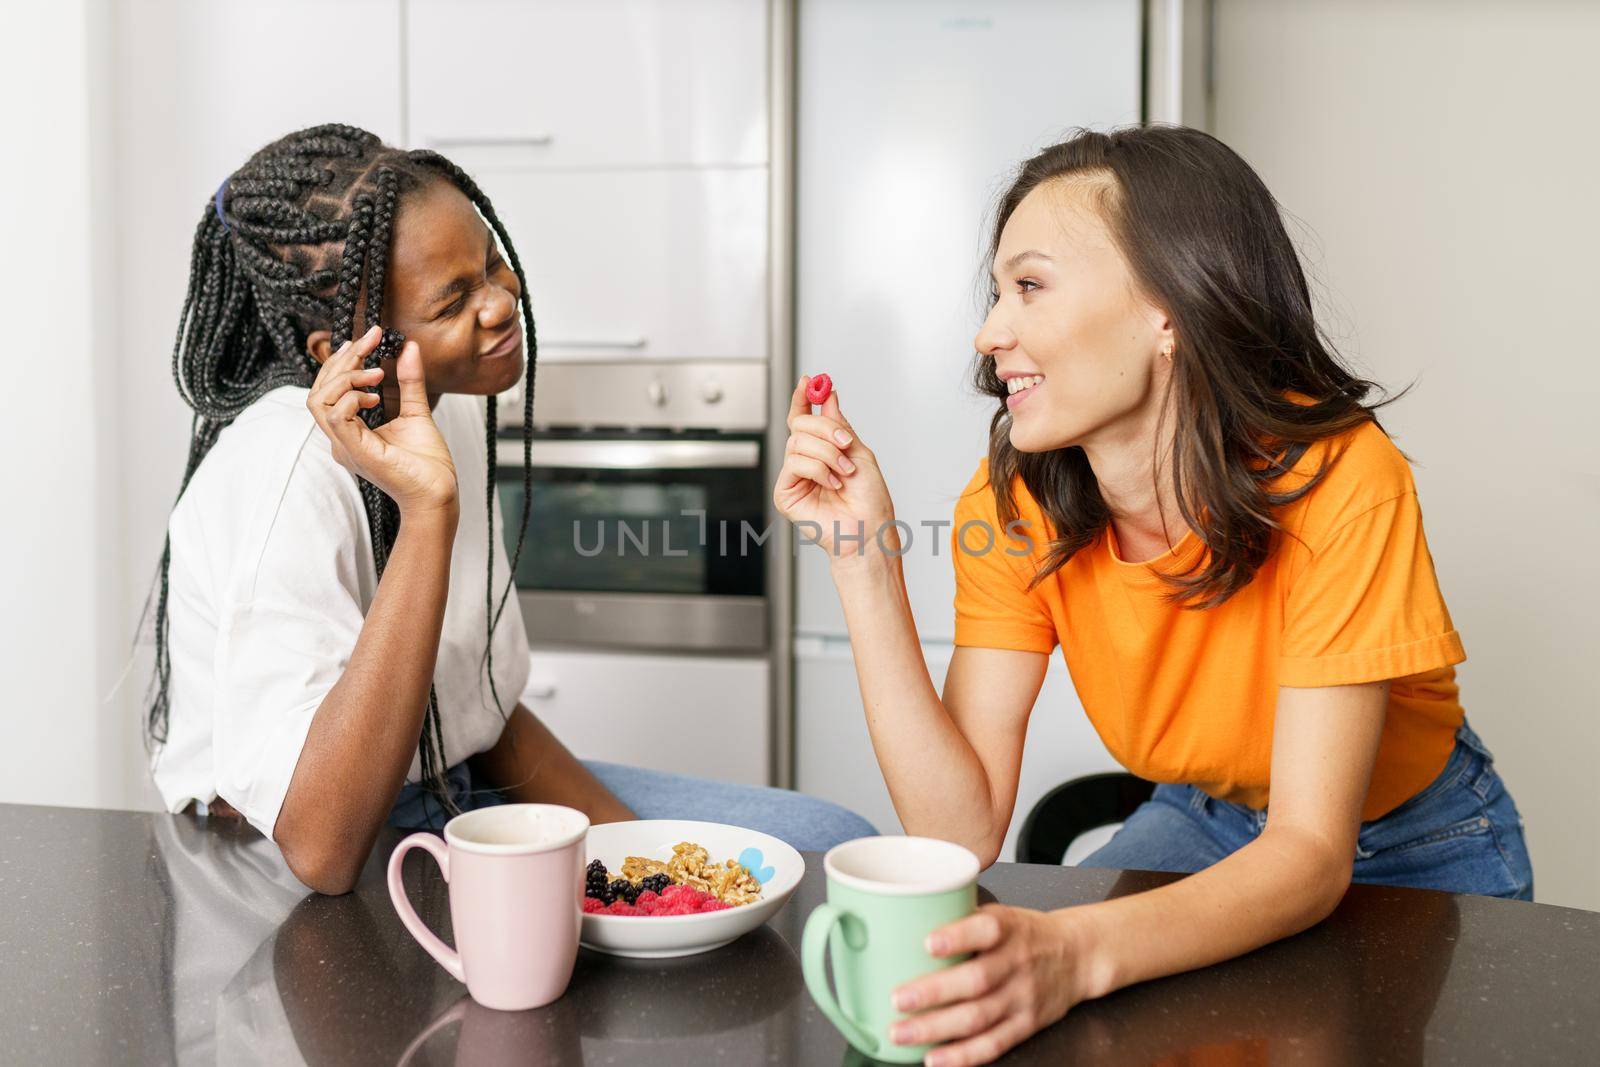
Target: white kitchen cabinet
x=202 y=86
x=833 y=750
x=641 y=264
x=601 y=83
x=702 y=715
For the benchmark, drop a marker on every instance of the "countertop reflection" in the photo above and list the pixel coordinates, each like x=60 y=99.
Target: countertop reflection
x=156 y=938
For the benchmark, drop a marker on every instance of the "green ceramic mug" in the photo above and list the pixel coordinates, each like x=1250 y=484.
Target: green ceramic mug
x=885 y=896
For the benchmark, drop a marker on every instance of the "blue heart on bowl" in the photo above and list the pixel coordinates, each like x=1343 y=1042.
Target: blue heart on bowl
x=750 y=859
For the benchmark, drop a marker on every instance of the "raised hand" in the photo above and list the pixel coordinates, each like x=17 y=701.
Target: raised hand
x=831 y=479
x=406 y=457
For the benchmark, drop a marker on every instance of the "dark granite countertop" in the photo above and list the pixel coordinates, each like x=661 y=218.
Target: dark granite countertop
x=137 y=938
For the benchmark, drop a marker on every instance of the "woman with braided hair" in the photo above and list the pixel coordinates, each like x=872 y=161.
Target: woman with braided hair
x=326 y=659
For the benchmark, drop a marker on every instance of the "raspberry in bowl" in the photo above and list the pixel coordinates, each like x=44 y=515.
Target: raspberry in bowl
x=676 y=900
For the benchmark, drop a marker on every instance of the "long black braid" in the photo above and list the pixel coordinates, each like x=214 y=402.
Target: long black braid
x=261 y=279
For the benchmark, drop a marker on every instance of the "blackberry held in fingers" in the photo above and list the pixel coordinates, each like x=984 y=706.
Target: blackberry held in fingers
x=386 y=355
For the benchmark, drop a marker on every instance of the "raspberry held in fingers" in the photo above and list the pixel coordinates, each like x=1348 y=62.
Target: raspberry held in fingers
x=818 y=389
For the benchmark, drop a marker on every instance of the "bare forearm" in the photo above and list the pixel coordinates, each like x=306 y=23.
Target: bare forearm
x=365 y=732
x=934 y=776
x=1279 y=884
x=531 y=766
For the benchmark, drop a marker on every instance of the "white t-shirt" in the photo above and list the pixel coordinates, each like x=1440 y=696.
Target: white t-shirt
x=270 y=580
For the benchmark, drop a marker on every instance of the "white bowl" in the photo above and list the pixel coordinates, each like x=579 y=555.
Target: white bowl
x=657 y=936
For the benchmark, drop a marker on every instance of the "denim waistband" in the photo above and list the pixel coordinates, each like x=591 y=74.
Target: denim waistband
x=1470 y=763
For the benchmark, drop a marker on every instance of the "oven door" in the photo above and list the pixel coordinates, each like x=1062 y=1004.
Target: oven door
x=640 y=542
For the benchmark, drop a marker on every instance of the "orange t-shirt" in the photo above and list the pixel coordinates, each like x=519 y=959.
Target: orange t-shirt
x=1187 y=696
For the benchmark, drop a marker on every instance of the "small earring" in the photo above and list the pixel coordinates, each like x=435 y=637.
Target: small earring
x=1167 y=352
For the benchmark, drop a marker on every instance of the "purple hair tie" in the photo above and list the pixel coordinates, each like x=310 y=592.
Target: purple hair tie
x=217 y=203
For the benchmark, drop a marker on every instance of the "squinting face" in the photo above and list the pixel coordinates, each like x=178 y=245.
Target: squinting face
x=1079 y=348
x=449 y=290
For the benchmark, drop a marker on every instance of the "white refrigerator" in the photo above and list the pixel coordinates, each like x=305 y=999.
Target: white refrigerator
x=911 y=116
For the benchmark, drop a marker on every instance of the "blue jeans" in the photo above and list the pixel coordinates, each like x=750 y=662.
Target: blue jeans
x=1461 y=834
x=806 y=823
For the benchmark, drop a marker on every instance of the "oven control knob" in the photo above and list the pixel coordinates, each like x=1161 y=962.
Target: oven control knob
x=711 y=392
x=657 y=394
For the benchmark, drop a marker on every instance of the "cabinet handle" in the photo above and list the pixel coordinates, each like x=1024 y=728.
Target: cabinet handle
x=622 y=455
x=541 y=690
x=627 y=342
x=532 y=140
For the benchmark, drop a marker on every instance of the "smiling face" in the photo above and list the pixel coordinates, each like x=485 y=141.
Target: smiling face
x=449 y=290
x=1079 y=348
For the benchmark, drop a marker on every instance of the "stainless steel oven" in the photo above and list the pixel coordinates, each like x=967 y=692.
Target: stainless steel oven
x=647 y=525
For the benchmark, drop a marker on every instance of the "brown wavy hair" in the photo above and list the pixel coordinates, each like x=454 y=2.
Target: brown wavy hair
x=1254 y=382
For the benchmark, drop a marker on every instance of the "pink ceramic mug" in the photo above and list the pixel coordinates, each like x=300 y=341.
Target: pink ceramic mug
x=516 y=881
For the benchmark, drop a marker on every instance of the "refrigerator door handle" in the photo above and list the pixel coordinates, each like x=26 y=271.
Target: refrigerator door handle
x=635 y=341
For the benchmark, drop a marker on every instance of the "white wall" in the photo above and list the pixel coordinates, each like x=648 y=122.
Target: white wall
x=1443 y=161
x=191 y=107
x=59 y=637
x=129 y=116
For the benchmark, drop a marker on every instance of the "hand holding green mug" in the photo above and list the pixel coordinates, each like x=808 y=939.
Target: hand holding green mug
x=885 y=896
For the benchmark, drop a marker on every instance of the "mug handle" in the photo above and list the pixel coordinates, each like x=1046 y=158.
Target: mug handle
x=813 y=951
x=448 y=957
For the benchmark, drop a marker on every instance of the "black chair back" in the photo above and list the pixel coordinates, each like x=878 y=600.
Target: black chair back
x=1076 y=807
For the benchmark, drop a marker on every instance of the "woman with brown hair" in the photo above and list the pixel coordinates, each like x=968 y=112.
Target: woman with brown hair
x=1187 y=493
